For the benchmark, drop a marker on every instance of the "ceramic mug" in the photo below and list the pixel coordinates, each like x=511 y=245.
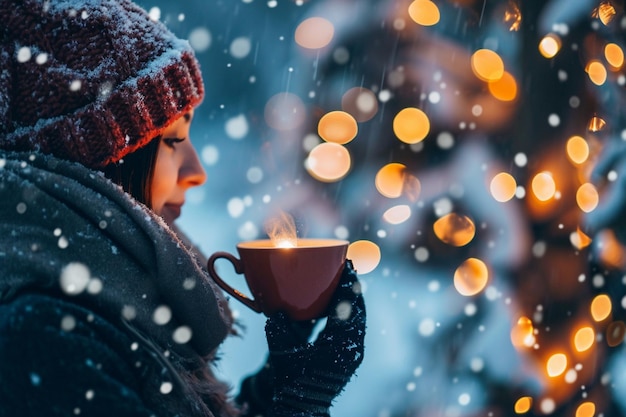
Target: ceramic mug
x=298 y=280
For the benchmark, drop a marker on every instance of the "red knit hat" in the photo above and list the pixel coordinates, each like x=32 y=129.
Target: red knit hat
x=90 y=80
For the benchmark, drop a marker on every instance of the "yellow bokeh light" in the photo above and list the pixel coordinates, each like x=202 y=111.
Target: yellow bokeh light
x=454 y=229
x=328 y=162
x=601 y=307
x=596 y=72
x=503 y=187
x=361 y=103
x=338 y=127
x=504 y=88
x=586 y=409
x=614 y=55
x=577 y=149
x=615 y=333
x=471 y=277
x=543 y=186
x=550 y=45
x=587 y=197
x=314 y=33
x=397 y=214
x=411 y=125
x=523 y=404
x=487 y=65
x=523 y=333
x=365 y=256
x=424 y=12
x=556 y=364
x=584 y=338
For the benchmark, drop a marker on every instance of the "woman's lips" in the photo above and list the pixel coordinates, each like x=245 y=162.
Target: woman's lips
x=171 y=212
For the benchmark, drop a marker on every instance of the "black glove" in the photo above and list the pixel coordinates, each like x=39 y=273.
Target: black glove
x=308 y=376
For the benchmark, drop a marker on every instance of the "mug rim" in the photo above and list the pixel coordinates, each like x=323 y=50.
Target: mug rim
x=301 y=243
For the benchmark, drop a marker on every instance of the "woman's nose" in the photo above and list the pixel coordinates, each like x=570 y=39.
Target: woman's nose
x=191 y=173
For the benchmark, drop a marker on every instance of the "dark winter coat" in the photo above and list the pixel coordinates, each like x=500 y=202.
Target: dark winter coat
x=103 y=311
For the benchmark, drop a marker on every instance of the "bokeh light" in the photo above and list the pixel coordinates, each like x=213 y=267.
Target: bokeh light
x=601 y=307
x=556 y=364
x=397 y=214
x=584 y=338
x=314 y=33
x=338 y=127
x=424 y=12
x=454 y=229
x=614 y=55
x=361 y=103
x=587 y=197
x=328 y=162
x=550 y=45
x=411 y=125
x=393 y=181
x=523 y=405
x=503 y=187
x=284 y=111
x=586 y=409
x=523 y=333
x=487 y=65
x=596 y=72
x=615 y=333
x=365 y=256
x=577 y=149
x=503 y=88
x=471 y=277
x=543 y=186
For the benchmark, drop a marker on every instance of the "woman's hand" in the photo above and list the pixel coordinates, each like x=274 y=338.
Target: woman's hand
x=308 y=376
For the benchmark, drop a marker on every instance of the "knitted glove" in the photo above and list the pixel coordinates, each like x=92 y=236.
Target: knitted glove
x=308 y=376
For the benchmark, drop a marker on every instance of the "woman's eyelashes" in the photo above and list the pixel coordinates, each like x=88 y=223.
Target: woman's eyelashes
x=171 y=142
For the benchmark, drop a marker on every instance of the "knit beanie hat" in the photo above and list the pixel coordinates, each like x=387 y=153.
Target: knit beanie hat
x=90 y=80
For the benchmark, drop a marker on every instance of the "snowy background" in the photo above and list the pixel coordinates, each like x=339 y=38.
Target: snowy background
x=430 y=349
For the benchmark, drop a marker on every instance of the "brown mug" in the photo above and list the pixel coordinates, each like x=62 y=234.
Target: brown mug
x=298 y=280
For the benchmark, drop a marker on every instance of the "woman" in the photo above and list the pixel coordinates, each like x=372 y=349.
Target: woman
x=103 y=309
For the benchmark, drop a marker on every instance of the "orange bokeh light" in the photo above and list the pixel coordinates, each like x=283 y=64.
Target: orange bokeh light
x=338 y=127
x=504 y=88
x=365 y=255
x=424 y=12
x=523 y=333
x=577 y=149
x=587 y=197
x=454 y=229
x=614 y=55
x=471 y=277
x=596 y=72
x=586 y=409
x=411 y=125
x=543 y=186
x=584 y=338
x=487 y=65
x=392 y=181
x=556 y=364
x=523 y=404
x=601 y=307
x=503 y=187
x=550 y=45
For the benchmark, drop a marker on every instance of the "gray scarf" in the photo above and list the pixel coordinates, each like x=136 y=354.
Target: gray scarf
x=69 y=232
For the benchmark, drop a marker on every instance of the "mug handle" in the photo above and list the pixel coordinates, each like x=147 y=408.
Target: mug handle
x=251 y=303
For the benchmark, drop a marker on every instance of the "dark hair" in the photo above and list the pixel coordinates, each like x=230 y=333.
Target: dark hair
x=134 y=172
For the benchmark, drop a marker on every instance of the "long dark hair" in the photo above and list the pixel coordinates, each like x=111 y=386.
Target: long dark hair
x=135 y=171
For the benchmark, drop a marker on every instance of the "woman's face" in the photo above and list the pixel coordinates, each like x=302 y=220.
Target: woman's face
x=177 y=169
